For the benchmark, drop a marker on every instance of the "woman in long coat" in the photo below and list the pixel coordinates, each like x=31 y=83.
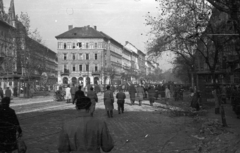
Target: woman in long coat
x=132 y=92
x=108 y=101
x=140 y=94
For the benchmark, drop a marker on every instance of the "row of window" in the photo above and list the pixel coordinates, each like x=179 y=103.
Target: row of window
x=80 y=56
x=80 y=45
x=80 y=68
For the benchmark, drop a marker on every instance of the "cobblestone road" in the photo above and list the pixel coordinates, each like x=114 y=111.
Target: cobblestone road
x=140 y=129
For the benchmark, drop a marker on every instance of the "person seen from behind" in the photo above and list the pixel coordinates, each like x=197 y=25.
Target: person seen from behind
x=73 y=91
x=93 y=96
x=9 y=127
x=120 y=100
x=151 y=95
x=132 y=92
x=78 y=94
x=84 y=134
x=8 y=93
x=140 y=94
x=108 y=101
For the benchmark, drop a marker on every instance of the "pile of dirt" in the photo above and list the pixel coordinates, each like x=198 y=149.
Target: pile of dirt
x=214 y=138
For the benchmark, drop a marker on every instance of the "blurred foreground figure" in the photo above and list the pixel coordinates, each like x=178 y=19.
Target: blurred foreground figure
x=84 y=134
x=9 y=126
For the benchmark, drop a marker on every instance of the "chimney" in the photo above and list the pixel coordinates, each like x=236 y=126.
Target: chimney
x=95 y=27
x=70 y=27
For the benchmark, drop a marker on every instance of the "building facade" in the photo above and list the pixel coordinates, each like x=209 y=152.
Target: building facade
x=87 y=56
x=227 y=57
x=8 y=53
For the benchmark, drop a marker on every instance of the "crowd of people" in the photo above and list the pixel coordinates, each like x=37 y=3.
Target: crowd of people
x=85 y=132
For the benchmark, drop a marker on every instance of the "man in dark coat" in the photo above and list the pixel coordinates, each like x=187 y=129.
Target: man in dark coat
x=78 y=94
x=132 y=92
x=8 y=93
x=151 y=95
x=120 y=100
x=9 y=127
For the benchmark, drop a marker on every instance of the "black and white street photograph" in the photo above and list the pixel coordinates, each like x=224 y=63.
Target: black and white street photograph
x=120 y=76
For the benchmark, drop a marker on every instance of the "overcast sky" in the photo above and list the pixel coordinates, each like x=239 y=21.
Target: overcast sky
x=123 y=20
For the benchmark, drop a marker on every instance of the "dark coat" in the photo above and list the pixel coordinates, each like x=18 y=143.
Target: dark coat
x=8 y=93
x=108 y=100
x=151 y=94
x=78 y=95
x=132 y=92
x=120 y=97
x=85 y=134
x=9 y=126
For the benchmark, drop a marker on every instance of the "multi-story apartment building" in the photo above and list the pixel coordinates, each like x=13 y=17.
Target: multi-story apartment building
x=19 y=55
x=134 y=60
x=87 y=56
x=8 y=54
x=126 y=60
x=223 y=74
x=141 y=62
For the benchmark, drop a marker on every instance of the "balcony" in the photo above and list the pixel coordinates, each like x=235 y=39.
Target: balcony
x=96 y=72
x=65 y=72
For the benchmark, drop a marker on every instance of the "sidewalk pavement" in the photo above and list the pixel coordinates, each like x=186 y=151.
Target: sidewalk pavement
x=232 y=121
x=231 y=118
x=34 y=99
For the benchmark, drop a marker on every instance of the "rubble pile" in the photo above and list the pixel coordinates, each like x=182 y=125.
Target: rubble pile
x=213 y=138
x=212 y=127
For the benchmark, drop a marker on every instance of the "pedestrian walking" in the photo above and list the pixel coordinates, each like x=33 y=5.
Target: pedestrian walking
x=132 y=92
x=195 y=102
x=73 y=91
x=83 y=133
x=93 y=96
x=68 y=94
x=216 y=93
x=1 y=93
x=15 y=91
x=167 y=94
x=140 y=94
x=151 y=95
x=8 y=93
x=79 y=94
x=108 y=101
x=9 y=127
x=97 y=88
x=120 y=100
